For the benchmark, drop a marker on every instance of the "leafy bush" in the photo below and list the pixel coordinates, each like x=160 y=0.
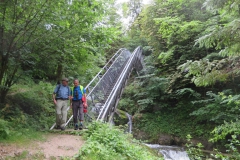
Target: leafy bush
x=4 y=130
x=228 y=133
x=30 y=105
x=171 y=123
x=194 y=152
x=218 y=108
x=107 y=143
x=29 y=108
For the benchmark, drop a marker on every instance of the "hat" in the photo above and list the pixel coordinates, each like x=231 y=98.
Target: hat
x=65 y=79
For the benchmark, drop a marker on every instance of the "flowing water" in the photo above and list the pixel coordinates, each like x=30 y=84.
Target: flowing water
x=170 y=152
x=129 y=123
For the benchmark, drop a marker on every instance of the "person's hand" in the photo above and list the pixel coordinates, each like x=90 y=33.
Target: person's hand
x=85 y=104
x=54 y=100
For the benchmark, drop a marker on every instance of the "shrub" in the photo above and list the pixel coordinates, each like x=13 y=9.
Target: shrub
x=107 y=143
x=4 y=130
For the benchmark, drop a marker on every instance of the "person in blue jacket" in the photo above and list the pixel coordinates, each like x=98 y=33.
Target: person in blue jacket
x=61 y=96
x=76 y=103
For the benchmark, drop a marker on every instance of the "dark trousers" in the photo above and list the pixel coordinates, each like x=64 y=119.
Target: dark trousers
x=77 y=108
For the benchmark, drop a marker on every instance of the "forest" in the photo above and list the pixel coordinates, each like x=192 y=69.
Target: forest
x=188 y=88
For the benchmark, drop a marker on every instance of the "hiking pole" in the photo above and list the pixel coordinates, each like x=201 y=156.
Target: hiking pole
x=68 y=121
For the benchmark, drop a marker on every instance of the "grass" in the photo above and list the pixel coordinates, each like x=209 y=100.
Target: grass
x=25 y=155
x=24 y=136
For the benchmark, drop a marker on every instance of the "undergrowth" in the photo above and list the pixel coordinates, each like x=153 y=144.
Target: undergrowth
x=28 y=109
x=106 y=142
x=171 y=123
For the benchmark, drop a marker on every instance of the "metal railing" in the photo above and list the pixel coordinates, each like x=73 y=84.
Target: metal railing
x=108 y=109
x=105 y=89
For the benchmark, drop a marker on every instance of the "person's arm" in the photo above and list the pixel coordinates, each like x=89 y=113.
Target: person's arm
x=70 y=98
x=54 y=98
x=54 y=95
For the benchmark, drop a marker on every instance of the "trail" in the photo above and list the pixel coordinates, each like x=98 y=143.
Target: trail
x=53 y=146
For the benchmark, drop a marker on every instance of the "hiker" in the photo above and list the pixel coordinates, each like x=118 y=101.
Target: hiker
x=61 y=95
x=77 y=101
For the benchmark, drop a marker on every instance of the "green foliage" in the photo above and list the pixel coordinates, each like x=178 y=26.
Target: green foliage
x=204 y=72
x=51 y=39
x=173 y=123
x=223 y=26
x=29 y=109
x=142 y=94
x=105 y=143
x=227 y=128
x=192 y=75
x=4 y=129
x=228 y=132
x=14 y=133
x=218 y=108
x=33 y=101
x=174 y=30
x=166 y=56
x=194 y=152
x=187 y=91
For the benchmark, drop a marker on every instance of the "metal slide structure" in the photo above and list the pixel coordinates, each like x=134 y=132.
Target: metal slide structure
x=105 y=89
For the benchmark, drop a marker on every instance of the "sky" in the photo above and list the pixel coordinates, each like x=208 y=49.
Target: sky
x=125 y=21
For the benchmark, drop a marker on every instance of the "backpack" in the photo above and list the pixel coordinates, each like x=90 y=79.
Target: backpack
x=83 y=99
x=81 y=89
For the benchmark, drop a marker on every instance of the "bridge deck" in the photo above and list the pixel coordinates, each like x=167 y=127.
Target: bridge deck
x=68 y=130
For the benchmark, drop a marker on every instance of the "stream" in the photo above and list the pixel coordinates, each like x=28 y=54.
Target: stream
x=170 y=152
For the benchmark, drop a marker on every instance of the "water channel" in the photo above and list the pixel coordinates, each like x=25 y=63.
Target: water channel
x=170 y=152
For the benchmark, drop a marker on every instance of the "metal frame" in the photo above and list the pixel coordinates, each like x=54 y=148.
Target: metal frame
x=109 y=84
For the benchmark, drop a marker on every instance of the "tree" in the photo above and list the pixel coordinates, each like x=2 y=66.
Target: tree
x=46 y=39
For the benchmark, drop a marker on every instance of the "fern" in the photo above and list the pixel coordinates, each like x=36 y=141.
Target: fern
x=210 y=78
x=218 y=107
x=189 y=91
x=165 y=56
x=204 y=72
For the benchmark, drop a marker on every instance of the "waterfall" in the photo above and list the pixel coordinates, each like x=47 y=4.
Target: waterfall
x=129 y=123
x=170 y=152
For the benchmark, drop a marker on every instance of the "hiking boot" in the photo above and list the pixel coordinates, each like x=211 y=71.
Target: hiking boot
x=57 y=127
x=81 y=126
x=76 y=127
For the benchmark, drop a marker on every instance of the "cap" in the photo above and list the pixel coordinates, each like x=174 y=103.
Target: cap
x=65 y=79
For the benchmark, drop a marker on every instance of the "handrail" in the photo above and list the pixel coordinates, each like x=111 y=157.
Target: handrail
x=104 y=67
x=116 y=88
x=104 y=74
x=108 y=89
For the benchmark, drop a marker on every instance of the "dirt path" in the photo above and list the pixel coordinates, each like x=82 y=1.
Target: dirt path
x=54 y=145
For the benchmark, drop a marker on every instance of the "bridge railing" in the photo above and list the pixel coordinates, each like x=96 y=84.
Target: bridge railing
x=105 y=89
x=108 y=110
x=98 y=95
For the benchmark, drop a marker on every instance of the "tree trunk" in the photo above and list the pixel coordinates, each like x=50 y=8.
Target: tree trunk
x=59 y=72
x=3 y=94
